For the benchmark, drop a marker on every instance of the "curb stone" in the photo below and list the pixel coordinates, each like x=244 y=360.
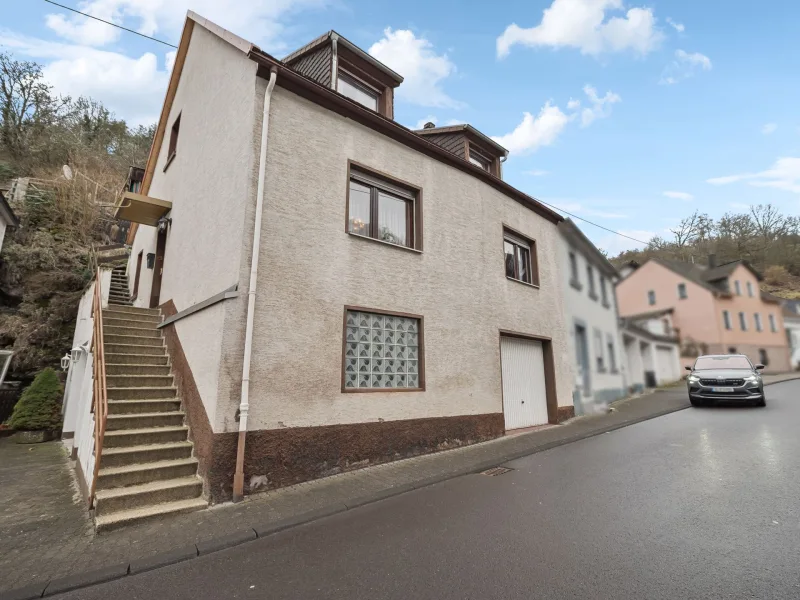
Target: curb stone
x=81 y=580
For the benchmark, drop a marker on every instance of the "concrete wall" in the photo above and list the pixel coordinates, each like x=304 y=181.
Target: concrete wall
x=608 y=385
x=84 y=324
x=209 y=184
x=311 y=268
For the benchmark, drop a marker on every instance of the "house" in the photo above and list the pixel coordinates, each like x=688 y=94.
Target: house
x=651 y=349
x=333 y=289
x=717 y=309
x=791 y=321
x=7 y=218
x=590 y=306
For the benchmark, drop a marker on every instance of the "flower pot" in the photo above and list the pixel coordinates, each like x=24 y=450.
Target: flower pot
x=33 y=437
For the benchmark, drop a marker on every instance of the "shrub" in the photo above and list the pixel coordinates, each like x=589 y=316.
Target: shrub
x=39 y=407
x=777 y=275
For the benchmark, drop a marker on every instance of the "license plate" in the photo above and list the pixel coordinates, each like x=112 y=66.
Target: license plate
x=722 y=389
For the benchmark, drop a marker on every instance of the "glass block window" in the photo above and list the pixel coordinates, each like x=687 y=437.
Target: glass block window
x=381 y=351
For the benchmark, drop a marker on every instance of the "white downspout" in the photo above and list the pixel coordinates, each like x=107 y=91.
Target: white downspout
x=244 y=405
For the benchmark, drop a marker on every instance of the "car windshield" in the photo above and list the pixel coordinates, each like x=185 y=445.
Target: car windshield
x=706 y=363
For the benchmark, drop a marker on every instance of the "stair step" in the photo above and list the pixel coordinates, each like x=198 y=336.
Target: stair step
x=134 y=349
x=144 y=436
x=133 y=323
x=141 y=393
x=113 y=302
x=138 y=380
x=145 y=472
x=137 y=515
x=144 y=369
x=137 y=332
x=132 y=407
x=132 y=340
x=115 y=313
x=139 y=311
x=147 y=494
x=150 y=453
x=142 y=420
x=135 y=359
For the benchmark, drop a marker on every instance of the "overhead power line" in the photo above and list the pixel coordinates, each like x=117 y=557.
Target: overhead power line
x=110 y=23
x=591 y=223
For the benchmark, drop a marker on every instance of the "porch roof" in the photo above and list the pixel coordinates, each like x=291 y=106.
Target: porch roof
x=144 y=210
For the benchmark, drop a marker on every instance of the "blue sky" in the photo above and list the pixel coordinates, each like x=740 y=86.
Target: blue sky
x=631 y=115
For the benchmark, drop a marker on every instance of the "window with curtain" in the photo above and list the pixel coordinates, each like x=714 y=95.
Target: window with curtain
x=382 y=351
x=520 y=258
x=381 y=210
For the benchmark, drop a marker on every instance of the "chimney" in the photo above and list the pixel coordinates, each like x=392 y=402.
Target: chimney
x=429 y=125
x=712 y=261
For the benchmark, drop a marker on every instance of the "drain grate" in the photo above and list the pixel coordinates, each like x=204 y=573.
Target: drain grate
x=495 y=471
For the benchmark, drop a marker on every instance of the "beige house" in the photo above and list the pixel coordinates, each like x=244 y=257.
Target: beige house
x=334 y=289
x=717 y=309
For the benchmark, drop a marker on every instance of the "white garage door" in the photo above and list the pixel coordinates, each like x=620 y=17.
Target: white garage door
x=524 y=395
x=665 y=365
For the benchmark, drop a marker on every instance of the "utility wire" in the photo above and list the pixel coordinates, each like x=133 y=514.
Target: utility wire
x=173 y=46
x=110 y=23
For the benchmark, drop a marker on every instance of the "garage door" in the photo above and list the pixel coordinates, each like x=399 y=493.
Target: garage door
x=665 y=365
x=524 y=396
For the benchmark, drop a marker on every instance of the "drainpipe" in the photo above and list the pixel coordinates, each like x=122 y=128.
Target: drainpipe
x=244 y=405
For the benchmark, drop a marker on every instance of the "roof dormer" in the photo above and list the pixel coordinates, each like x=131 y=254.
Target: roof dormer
x=337 y=63
x=468 y=143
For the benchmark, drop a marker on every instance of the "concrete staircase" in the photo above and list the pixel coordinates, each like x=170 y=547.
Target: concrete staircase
x=146 y=468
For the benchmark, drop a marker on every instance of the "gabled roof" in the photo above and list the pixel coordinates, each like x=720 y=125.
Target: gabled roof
x=710 y=279
x=626 y=325
x=724 y=271
x=573 y=233
x=464 y=128
x=653 y=314
x=7 y=214
x=330 y=35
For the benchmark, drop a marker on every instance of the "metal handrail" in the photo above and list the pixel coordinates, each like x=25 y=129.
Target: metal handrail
x=100 y=394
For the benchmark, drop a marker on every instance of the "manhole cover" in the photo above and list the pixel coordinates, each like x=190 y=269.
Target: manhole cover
x=494 y=471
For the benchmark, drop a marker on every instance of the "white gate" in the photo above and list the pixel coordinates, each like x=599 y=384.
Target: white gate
x=524 y=391
x=665 y=365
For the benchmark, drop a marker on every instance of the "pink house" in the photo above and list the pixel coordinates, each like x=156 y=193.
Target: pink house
x=716 y=309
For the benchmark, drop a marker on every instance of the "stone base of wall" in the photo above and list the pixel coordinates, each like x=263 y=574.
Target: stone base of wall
x=565 y=413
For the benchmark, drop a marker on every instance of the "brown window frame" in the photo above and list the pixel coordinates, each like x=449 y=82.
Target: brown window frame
x=358 y=82
x=533 y=260
x=174 y=132
x=420 y=346
x=394 y=187
x=492 y=163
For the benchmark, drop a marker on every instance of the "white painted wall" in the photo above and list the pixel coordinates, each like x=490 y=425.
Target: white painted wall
x=580 y=308
x=792 y=326
x=82 y=337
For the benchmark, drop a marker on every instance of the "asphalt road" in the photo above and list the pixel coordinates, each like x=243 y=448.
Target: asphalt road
x=702 y=503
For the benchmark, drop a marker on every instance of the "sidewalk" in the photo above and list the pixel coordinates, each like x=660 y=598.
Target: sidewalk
x=46 y=532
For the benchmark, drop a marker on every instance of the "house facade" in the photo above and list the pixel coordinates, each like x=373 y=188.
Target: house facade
x=590 y=306
x=651 y=350
x=716 y=309
x=791 y=321
x=335 y=289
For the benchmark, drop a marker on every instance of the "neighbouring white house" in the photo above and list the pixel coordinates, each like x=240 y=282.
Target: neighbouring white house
x=791 y=321
x=590 y=307
x=7 y=219
x=328 y=288
x=651 y=350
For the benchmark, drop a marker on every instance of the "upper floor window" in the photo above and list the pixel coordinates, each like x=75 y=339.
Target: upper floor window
x=726 y=317
x=604 y=292
x=757 y=320
x=682 y=291
x=773 y=324
x=573 y=271
x=590 y=278
x=383 y=210
x=743 y=321
x=738 y=287
x=520 y=258
x=479 y=160
x=750 y=289
x=173 y=141
x=651 y=297
x=357 y=90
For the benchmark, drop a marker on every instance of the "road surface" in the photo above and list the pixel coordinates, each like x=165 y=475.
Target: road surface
x=702 y=503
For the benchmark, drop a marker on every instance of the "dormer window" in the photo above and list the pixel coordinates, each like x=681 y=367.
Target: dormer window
x=359 y=91
x=479 y=160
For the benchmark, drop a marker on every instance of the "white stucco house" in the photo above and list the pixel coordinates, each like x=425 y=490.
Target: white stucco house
x=590 y=306
x=332 y=289
x=651 y=350
x=791 y=322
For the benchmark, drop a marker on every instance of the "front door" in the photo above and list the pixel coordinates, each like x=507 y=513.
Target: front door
x=158 y=269
x=582 y=349
x=524 y=392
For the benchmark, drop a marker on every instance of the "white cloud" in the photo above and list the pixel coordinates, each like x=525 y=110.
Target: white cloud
x=85 y=31
x=783 y=175
x=534 y=132
x=740 y=206
x=769 y=128
x=422 y=69
x=679 y=27
x=573 y=104
x=601 y=107
x=536 y=172
x=584 y=24
x=684 y=66
x=679 y=195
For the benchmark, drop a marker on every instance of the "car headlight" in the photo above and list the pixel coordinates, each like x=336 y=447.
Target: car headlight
x=751 y=379
x=693 y=378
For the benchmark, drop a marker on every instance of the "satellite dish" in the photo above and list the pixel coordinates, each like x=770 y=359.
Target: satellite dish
x=67 y=171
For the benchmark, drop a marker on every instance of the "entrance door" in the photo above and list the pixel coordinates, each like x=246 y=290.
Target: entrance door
x=138 y=274
x=524 y=392
x=158 y=269
x=582 y=350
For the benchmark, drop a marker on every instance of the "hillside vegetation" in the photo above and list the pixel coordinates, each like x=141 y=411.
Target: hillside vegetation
x=44 y=264
x=762 y=235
